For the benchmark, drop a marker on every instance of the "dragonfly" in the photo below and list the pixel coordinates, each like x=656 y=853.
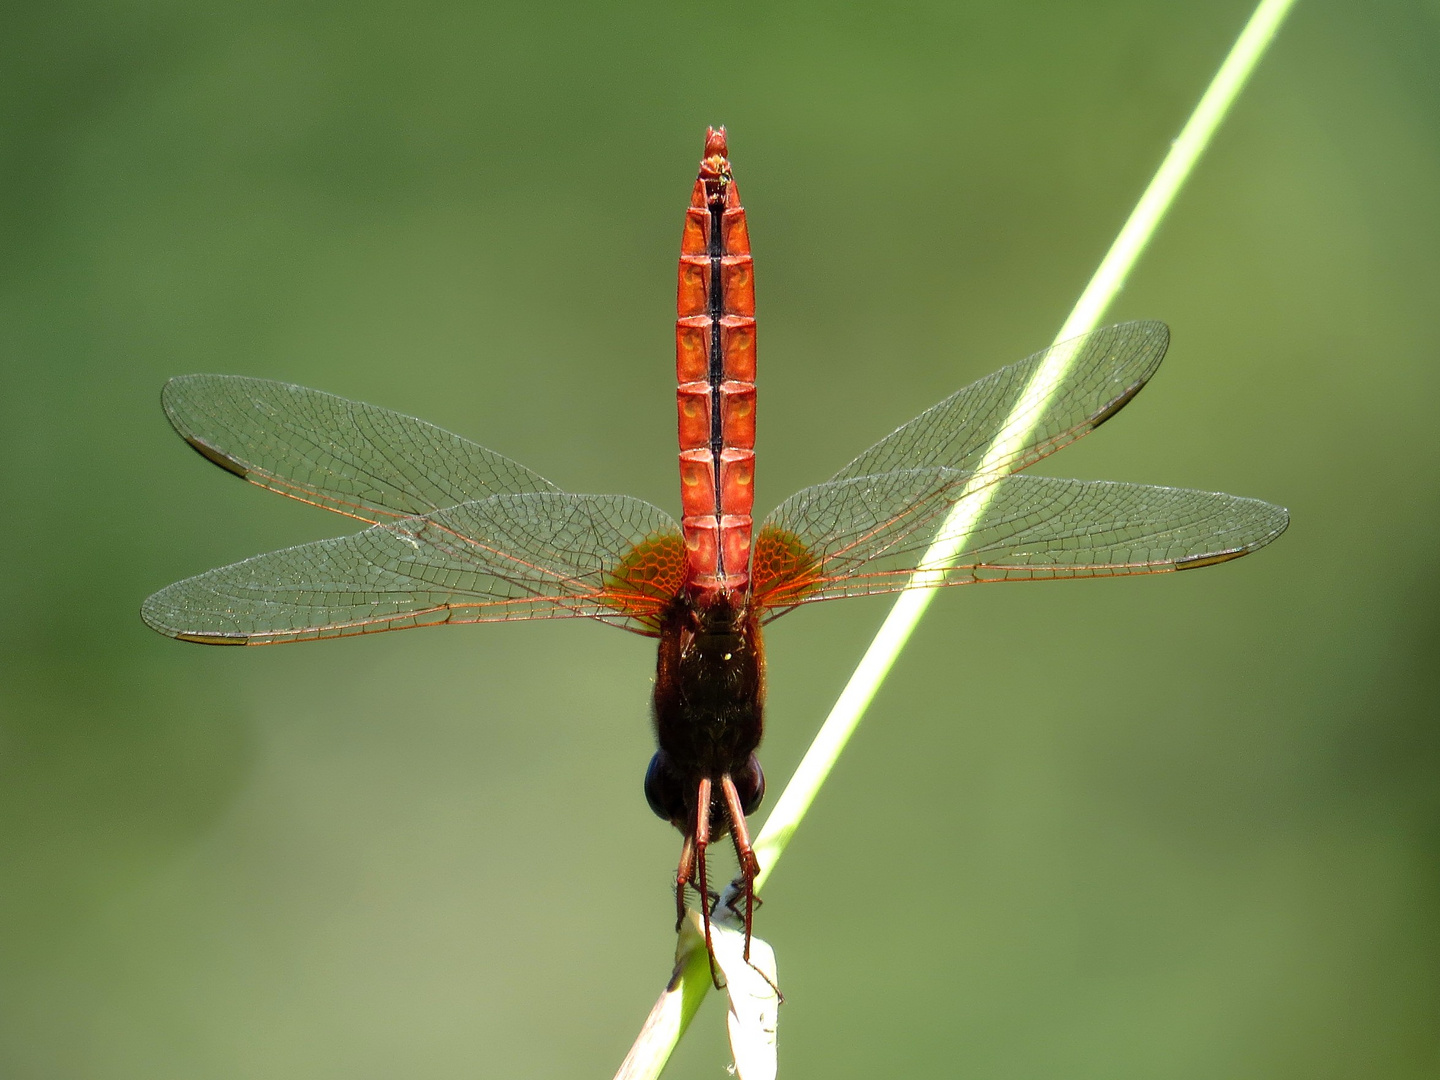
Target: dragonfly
x=461 y=534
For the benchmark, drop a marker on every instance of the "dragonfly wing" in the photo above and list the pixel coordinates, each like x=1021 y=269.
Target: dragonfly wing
x=355 y=459
x=1105 y=369
x=870 y=534
x=532 y=556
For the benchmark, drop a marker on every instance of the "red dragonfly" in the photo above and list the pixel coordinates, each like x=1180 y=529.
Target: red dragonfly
x=460 y=534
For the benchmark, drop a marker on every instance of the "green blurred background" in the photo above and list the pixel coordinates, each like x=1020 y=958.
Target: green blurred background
x=1184 y=827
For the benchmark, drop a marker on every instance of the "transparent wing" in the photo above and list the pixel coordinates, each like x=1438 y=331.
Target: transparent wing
x=355 y=459
x=1108 y=368
x=869 y=534
x=533 y=556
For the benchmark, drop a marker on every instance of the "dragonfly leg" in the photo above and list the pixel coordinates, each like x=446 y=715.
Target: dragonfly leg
x=702 y=841
x=683 y=873
x=749 y=865
x=749 y=870
x=734 y=900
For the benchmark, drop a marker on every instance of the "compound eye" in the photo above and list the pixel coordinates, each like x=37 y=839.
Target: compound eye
x=664 y=789
x=750 y=785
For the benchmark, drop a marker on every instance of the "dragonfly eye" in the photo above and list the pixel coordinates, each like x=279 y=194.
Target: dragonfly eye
x=664 y=790
x=750 y=785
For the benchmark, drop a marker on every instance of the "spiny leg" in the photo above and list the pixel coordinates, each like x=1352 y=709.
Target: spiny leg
x=749 y=865
x=702 y=840
x=749 y=869
x=733 y=900
x=682 y=878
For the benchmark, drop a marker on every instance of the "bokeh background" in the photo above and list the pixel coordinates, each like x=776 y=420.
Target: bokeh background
x=1186 y=826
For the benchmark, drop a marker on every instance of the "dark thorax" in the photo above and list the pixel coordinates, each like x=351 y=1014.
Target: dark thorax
x=708 y=705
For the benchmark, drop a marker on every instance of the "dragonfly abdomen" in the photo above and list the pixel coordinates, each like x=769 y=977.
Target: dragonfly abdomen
x=715 y=369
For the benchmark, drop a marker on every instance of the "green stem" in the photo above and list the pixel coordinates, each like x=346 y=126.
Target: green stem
x=879 y=658
x=669 y=1018
x=1105 y=285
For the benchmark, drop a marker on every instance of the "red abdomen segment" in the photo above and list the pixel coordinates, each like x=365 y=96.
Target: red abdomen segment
x=715 y=366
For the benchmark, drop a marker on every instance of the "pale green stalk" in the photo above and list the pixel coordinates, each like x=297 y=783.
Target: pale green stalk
x=1104 y=286
x=875 y=665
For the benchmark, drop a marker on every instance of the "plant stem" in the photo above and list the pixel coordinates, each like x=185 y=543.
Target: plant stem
x=879 y=658
x=1105 y=285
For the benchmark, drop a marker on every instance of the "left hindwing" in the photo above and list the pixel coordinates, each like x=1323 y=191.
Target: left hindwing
x=538 y=555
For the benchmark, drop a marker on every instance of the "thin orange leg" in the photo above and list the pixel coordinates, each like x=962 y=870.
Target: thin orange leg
x=702 y=841
x=749 y=866
x=749 y=869
x=682 y=878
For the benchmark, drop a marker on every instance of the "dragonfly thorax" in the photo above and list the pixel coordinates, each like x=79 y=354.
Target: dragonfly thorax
x=708 y=702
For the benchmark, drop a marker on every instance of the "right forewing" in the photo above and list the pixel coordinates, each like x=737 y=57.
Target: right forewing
x=1096 y=373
